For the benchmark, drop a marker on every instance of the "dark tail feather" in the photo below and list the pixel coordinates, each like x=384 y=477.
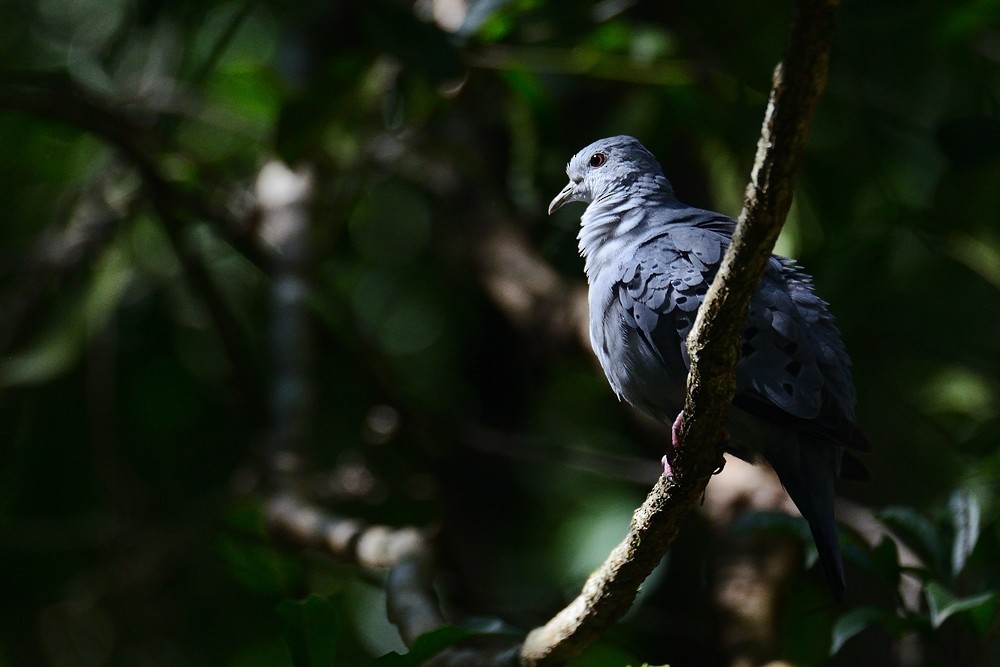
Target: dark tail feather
x=807 y=473
x=824 y=532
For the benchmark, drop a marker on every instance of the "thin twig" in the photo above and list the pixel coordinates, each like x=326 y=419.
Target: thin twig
x=203 y=285
x=410 y=599
x=222 y=42
x=302 y=525
x=404 y=552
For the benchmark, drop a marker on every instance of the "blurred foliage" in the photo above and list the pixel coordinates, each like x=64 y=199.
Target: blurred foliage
x=131 y=410
x=957 y=621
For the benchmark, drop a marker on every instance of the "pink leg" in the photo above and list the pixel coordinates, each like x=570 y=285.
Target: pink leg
x=675 y=443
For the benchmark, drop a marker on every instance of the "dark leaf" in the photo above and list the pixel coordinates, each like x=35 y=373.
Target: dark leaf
x=311 y=628
x=885 y=561
x=856 y=620
x=919 y=534
x=970 y=139
x=426 y=646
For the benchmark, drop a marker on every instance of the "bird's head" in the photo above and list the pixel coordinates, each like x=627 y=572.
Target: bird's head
x=609 y=166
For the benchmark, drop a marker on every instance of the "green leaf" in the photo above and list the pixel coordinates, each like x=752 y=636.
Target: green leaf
x=64 y=339
x=983 y=614
x=965 y=514
x=856 y=620
x=860 y=618
x=487 y=18
x=885 y=558
x=943 y=604
x=881 y=560
x=426 y=646
x=938 y=599
x=311 y=628
x=919 y=534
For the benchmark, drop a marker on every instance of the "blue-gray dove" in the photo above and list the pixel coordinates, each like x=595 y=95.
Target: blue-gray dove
x=649 y=260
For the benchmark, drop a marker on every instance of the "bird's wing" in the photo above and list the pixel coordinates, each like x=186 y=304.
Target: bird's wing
x=662 y=285
x=793 y=371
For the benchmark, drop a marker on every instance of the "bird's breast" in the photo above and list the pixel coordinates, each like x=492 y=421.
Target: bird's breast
x=635 y=370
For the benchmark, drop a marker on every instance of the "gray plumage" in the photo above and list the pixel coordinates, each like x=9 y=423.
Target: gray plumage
x=649 y=260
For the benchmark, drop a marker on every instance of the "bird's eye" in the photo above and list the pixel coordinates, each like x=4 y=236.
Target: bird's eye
x=597 y=159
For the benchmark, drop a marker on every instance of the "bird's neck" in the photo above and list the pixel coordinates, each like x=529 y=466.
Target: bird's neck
x=613 y=223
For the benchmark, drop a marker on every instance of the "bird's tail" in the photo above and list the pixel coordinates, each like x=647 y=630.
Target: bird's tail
x=807 y=473
x=824 y=531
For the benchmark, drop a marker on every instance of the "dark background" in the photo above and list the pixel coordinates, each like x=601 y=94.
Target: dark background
x=133 y=392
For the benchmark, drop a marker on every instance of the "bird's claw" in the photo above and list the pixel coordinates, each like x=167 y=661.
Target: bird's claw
x=668 y=471
x=675 y=430
x=675 y=443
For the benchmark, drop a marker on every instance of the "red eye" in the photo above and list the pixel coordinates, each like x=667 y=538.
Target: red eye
x=597 y=159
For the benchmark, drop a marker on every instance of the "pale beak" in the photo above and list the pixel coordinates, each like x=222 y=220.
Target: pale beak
x=566 y=195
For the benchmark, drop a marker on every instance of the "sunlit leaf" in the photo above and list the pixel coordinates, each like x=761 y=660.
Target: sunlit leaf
x=943 y=604
x=965 y=516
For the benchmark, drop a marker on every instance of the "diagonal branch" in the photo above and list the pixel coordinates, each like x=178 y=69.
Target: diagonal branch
x=608 y=593
x=54 y=96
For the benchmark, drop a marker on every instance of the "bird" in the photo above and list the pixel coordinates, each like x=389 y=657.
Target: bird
x=649 y=260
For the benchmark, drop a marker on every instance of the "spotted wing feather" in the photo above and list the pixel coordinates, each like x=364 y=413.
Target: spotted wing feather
x=793 y=369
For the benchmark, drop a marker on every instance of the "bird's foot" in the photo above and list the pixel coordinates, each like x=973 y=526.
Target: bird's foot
x=668 y=471
x=675 y=430
x=675 y=443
